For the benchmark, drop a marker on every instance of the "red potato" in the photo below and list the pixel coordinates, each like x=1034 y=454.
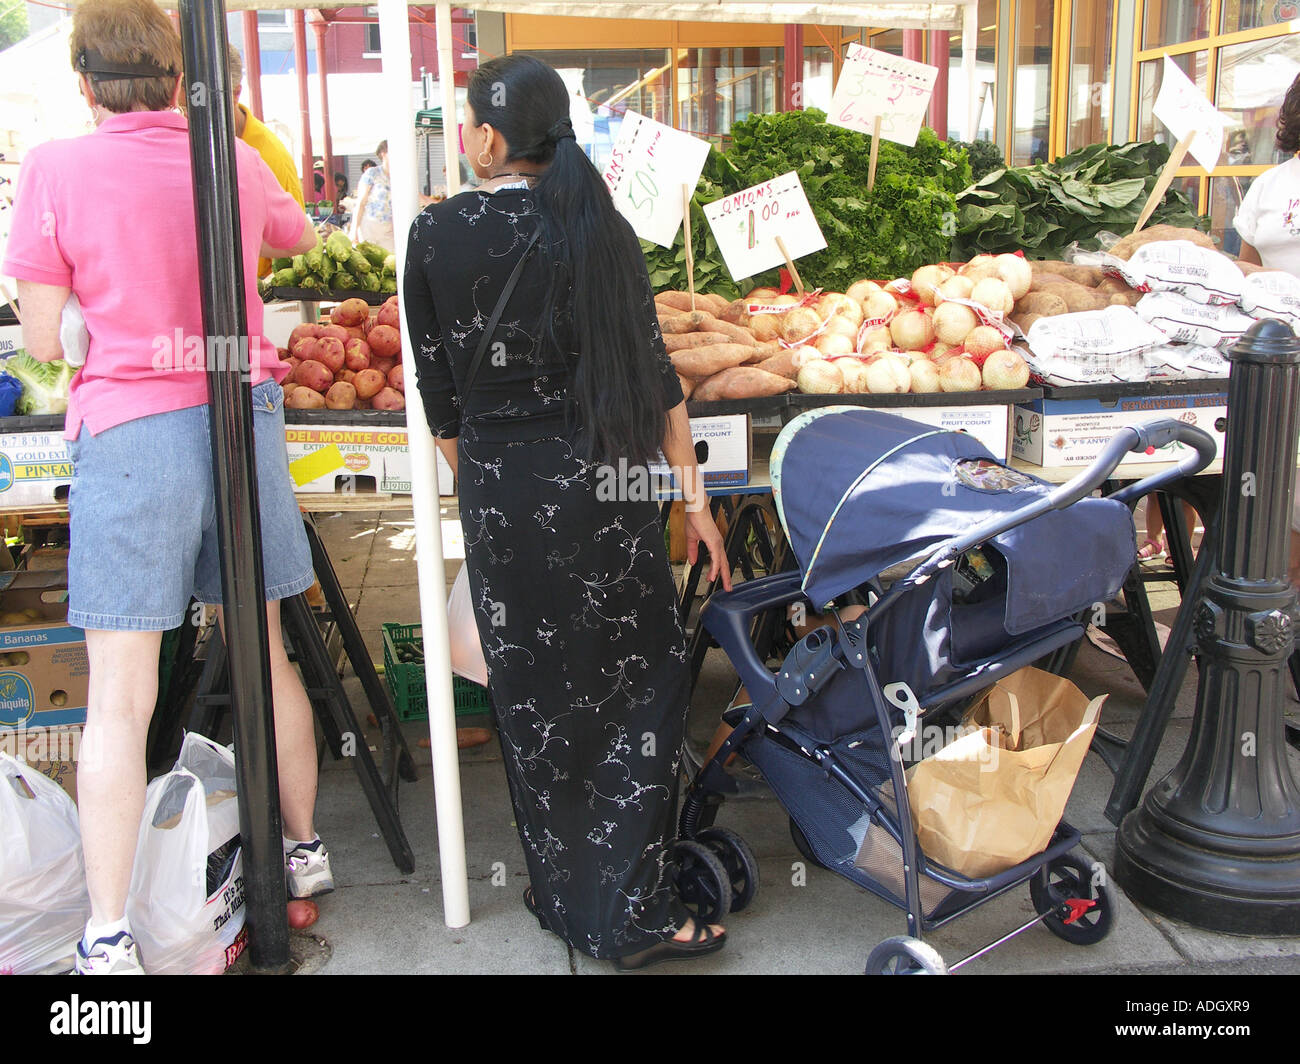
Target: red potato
x=355 y=332
x=389 y=315
x=283 y=354
x=384 y=365
x=314 y=375
x=341 y=396
x=356 y=355
x=337 y=331
x=388 y=399
x=369 y=383
x=384 y=341
x=306 y=349
x=396 y=379
x=362 y=404
x=289 y=387
x=294 y=363
x=346 y=375
x=350 y=312
x=329 y=352
x=368 y=324
x=303 y=913
x=304 y=398
x=301 y=332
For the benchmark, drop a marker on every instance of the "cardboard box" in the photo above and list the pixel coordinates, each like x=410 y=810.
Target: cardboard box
x=44 y=670
x=54 y=752
x=1070 y=432
x=723 y=448
x=34 y=468
x=11 y=340
x=346 y=458
x=991 y=425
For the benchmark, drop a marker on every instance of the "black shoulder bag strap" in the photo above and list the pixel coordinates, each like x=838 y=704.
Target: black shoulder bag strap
x=491 y=326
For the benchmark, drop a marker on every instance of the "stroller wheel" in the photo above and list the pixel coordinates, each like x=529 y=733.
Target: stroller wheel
x=739 y=861
x=905 y=956
x=802 y=844
x=702 y=881
x=1059 y=889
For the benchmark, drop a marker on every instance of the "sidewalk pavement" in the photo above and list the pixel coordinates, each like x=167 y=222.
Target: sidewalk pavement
x=804 y=920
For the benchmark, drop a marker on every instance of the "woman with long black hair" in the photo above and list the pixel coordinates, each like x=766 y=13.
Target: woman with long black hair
x=543 y=374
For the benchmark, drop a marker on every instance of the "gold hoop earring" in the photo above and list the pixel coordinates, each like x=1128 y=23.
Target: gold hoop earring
x=481 y=163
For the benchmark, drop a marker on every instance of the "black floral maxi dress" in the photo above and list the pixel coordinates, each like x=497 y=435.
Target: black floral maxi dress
x=570 y=581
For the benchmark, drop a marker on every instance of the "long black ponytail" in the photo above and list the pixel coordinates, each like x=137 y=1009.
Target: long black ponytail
x=617 y=383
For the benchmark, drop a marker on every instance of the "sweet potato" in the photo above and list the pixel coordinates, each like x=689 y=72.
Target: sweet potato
x=1043 y=302
x=738 y=333
x=1124 y=248
x=388 y=399
x=688 y=386
x=682 y=341
x=676 y=300
x=717 y=304
x=341 y=396
x=369 y=383
x=736 y=312
x=745 y=382
x=314 y=375
x=781 y=364
x=676 y=324
x=1089 y=276
x=304 y=398
x=701 y=362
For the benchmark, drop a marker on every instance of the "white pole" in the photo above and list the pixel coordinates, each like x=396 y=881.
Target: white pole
x=969 y=39
x=395 y=35
x=447 y=85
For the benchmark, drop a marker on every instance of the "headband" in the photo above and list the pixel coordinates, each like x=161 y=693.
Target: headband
x=91 y=62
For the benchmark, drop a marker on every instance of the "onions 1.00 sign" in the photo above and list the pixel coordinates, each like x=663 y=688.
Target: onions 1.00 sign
x=880 y=85
x=647 y=168
x=747 y=224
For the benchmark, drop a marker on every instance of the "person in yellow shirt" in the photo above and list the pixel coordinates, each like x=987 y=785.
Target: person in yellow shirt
x=250 y=129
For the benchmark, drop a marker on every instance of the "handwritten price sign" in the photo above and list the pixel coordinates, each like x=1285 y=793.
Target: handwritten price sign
x=1184 y=110
x=880 y=85
x=646 y=171
x=747 y=224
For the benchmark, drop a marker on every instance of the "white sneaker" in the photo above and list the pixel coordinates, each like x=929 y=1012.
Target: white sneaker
x=307 y=870
x=109 y=956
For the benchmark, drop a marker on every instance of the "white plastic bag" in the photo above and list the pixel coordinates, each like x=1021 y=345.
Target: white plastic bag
x=43 y=901
x=1272 y=294
x=1180 y=266
x=73 y=336
x=186 y=903
x=462 y=632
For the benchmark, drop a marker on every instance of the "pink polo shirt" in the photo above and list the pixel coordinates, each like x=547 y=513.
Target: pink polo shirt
x=111 y=216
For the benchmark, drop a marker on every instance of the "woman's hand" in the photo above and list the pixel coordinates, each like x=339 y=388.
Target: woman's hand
x=701 y=528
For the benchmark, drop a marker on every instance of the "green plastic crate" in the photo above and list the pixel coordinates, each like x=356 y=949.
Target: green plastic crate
x=406 y=680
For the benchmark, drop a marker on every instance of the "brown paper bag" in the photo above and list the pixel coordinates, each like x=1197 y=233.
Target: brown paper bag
x=992 y=798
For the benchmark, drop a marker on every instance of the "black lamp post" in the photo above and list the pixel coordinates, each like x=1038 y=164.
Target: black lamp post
x=239 y=536
x=1217 y=841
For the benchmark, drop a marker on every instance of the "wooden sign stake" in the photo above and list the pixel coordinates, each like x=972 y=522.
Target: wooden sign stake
x=789 y=265
x=690 y=257
x=875 y=151
x=1166 y=179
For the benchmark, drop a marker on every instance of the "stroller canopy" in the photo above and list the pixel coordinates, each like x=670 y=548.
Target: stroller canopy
x=859 y=491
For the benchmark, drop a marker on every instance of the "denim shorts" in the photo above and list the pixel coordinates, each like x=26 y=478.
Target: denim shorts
x=143 y=518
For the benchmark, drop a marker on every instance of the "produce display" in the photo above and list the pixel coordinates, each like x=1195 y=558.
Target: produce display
x=904 y=222
x=335 y=265
x=940 y=330
x=1043 y=209
x=350 y=361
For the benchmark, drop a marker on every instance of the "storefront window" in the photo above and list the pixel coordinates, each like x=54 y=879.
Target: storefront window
x=1176 y=21
x=818 y=76
x=1225 y=197
x=1253 y=79
x=986 y=73
x=605 y=84
x=890 y=41
x=1032 y=93
x=717 y=87
x=1150 y=75
x=1249 y=14
x=1090 y=90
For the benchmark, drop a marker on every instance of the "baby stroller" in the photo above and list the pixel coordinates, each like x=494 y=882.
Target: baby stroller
x=970 y=571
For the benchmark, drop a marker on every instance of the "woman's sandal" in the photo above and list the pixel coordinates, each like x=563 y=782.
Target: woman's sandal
x=531 y=906
x=1151 y=550
x=703 y=940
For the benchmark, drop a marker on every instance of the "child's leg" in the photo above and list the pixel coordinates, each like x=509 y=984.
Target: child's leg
x=111 y=769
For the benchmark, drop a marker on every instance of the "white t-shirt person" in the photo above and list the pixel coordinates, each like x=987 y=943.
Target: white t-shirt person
x=1269 y=218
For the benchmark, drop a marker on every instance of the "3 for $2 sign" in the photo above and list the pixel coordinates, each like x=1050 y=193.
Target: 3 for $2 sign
x=877 y=84
x=747 y=223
